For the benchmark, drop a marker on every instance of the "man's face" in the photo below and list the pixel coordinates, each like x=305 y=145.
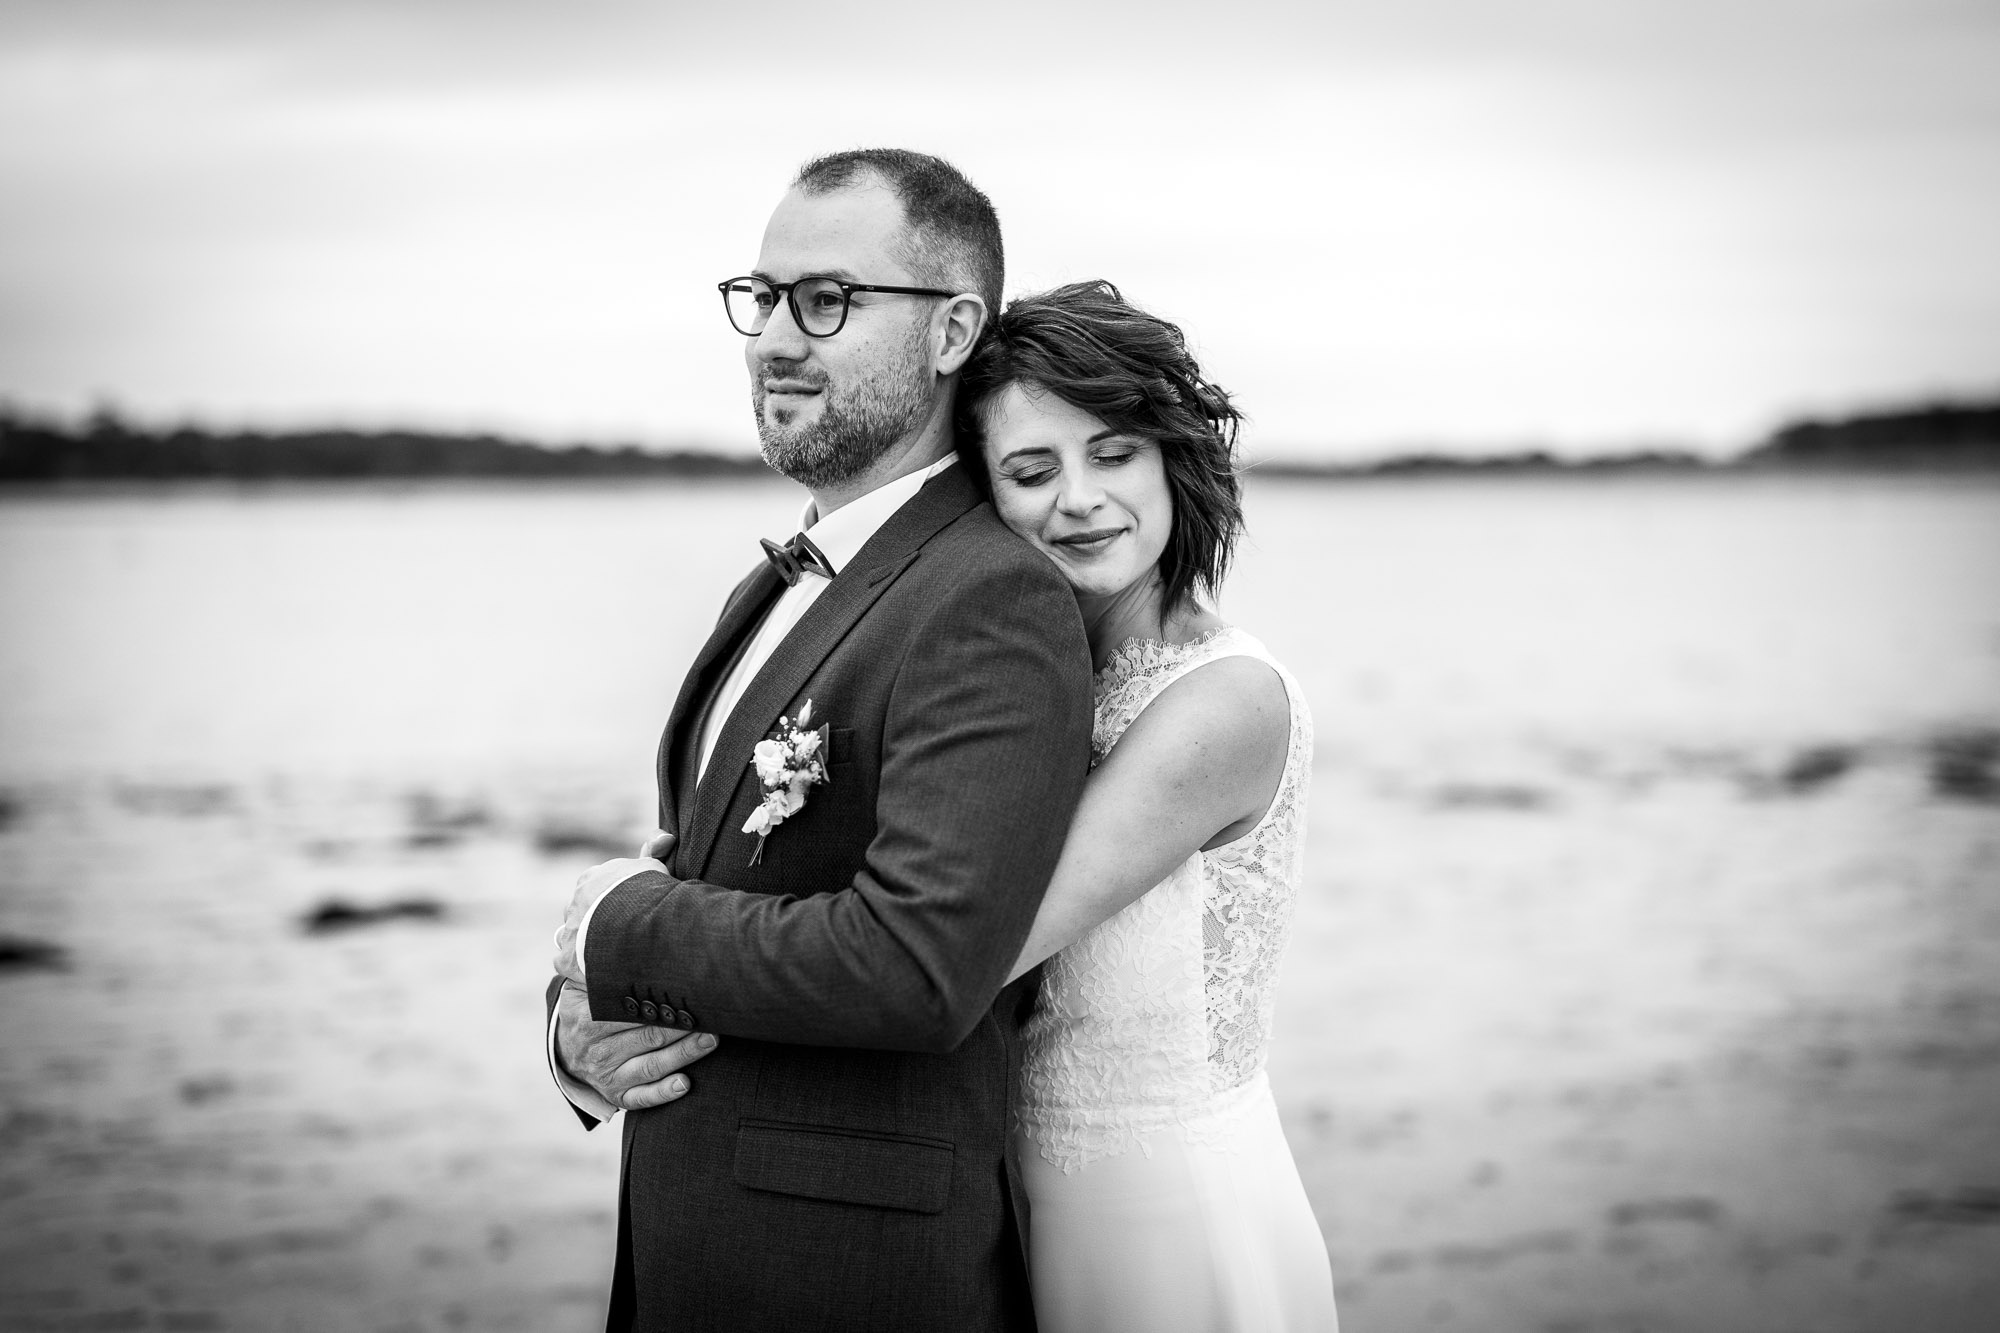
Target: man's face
x=828 y=407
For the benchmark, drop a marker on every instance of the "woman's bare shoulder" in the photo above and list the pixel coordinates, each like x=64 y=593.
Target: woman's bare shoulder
x=1228 y=719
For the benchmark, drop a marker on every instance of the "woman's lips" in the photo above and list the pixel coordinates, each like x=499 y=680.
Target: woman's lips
x=1087 y=543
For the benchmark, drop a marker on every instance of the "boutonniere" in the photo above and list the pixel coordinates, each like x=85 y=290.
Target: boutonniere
x=790 y=762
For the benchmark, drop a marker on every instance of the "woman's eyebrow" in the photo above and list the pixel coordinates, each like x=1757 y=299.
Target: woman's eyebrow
x=1013 y=454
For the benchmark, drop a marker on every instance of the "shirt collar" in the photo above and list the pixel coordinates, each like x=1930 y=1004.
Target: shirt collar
x=841 y=534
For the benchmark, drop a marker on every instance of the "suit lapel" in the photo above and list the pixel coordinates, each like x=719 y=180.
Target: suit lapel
x=680 y=745
x=895 y=544
x=688 y=773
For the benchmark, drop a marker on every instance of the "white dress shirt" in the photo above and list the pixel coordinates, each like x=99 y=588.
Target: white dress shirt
x=840 y=536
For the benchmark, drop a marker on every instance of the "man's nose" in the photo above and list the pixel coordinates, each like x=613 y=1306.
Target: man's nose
x=782 y=338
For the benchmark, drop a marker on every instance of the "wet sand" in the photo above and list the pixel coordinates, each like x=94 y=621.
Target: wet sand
x=1659 y=1056
x=1651 y=1050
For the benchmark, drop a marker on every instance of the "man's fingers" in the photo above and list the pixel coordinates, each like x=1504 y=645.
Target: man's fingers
x=621 y=1044
x=653 y=1078
x=658 y=846
x=652 y=1066
x=666 y=1090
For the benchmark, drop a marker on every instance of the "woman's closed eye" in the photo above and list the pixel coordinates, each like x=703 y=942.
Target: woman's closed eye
x=1036 y=473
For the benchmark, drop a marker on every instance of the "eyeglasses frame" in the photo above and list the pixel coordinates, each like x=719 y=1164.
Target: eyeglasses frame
x=847 y=290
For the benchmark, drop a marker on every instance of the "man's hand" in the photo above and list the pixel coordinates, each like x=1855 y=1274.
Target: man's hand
x=591 y=885
x=631 y=1065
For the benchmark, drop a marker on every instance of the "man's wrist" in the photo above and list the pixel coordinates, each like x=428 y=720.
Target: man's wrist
x=579 y=1094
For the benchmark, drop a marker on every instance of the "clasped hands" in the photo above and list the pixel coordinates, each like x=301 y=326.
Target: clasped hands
x=630 y=1065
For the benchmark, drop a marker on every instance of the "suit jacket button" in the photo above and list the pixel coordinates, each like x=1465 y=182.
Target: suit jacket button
x=631 y=1006
x=650 y=1012
x=684 y=1019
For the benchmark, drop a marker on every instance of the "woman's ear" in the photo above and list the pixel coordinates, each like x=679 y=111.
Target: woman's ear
x=957 y=331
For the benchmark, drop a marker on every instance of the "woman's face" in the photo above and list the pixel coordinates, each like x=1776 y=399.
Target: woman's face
x=1095 y=501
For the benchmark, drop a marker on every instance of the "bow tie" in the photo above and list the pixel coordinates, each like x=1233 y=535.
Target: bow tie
x=795 y=557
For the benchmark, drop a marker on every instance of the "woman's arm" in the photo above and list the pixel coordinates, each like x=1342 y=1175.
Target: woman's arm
x=1198 y=767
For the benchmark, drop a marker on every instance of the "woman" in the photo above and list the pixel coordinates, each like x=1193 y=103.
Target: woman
x=1162 y=1193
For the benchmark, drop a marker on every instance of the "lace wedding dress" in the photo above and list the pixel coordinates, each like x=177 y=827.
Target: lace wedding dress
x=1162 y=1194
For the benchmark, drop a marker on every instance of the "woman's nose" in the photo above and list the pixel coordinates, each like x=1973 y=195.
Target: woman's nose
x=1079 y=493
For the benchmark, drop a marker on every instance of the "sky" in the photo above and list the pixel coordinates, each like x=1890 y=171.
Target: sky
x=1455 y=225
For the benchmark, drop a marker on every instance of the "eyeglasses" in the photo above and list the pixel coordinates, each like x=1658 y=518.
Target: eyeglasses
x=819 y=305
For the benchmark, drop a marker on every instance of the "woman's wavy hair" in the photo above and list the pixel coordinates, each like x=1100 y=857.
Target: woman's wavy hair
x=1089 y=346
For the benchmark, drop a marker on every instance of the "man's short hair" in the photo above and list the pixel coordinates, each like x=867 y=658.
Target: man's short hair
x=951 y=233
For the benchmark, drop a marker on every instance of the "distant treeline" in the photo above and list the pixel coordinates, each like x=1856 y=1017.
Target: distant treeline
x=1942 y=436
x=1528 y=461
x=1934 y=437
x=106 y=449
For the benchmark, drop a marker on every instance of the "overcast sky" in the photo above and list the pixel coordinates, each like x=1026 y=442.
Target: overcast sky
x=1464 y=224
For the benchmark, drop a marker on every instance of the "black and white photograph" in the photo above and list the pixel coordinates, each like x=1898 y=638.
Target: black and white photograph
x=1050 y=668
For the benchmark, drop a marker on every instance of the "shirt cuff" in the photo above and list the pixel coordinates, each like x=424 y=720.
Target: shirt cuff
x=580 y=1096
x=583 y=930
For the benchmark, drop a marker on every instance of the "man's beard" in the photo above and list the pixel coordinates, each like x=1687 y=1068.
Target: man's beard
x=857 y=423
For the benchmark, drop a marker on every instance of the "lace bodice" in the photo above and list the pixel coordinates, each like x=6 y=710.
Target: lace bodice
x=1160 y=1016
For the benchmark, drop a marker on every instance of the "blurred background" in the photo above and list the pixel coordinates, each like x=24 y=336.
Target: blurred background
x=1625 y=385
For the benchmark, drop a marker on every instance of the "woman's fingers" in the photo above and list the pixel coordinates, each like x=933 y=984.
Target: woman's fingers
x=654 y=1077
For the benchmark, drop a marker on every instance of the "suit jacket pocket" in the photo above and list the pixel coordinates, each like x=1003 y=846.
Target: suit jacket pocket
x=846 y=1166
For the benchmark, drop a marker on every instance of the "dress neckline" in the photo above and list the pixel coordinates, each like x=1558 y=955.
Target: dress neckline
x=1138 y=656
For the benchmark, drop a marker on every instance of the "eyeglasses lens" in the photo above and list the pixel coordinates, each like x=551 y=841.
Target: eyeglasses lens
x=750 y=305
x=820 y=305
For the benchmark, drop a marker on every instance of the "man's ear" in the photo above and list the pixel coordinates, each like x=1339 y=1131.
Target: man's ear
x=956 y=330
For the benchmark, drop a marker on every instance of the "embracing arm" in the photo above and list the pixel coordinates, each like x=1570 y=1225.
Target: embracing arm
x=985 y=746
x=1198 y=767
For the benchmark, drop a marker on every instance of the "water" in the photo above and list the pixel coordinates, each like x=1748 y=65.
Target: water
x=366 y=630
x=1647 y=972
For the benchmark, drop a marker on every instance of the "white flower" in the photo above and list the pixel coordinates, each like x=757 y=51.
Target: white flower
x=770 y=757
x=789 y=764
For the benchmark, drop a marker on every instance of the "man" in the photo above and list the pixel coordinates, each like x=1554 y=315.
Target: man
x=844 y=1164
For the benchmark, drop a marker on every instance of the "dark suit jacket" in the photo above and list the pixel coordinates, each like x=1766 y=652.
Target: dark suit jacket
x=842 y=1160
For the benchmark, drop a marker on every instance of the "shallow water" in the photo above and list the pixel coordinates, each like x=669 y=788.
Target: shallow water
x=1647 y=972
